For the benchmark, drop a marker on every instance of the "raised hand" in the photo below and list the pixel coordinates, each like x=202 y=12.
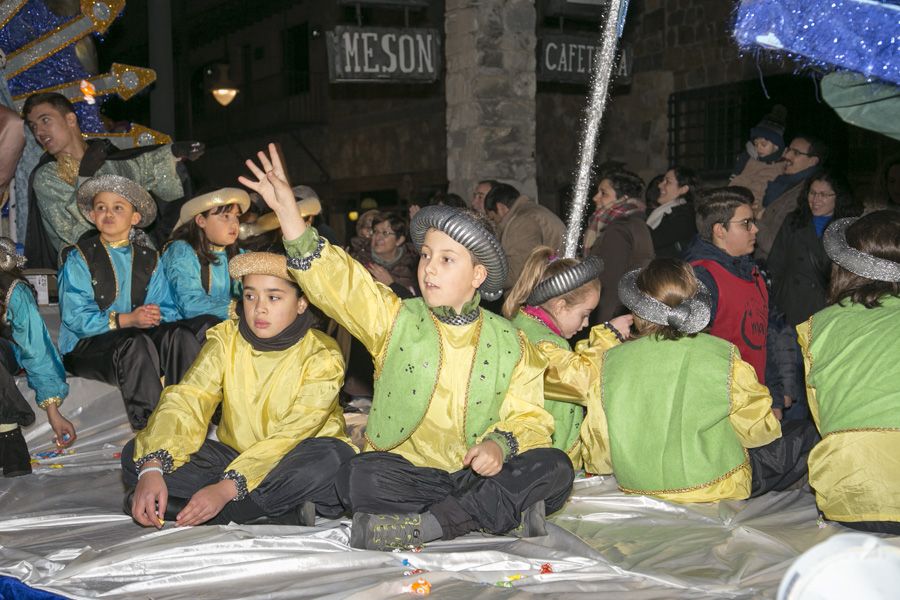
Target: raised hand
x=272 y=185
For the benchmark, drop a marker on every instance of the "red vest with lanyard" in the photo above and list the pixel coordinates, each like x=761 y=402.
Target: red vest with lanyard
x=742 y=314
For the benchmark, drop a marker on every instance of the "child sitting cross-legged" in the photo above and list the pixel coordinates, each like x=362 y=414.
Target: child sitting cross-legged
x=457 y=437
x=281 y=437
x=687 y=418
x=853 y=376
x=119 y=324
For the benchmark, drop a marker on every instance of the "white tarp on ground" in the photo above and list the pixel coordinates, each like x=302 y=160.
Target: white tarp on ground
x=63 y=530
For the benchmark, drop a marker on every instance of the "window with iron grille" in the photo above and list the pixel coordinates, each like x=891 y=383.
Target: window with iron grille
x=709 y=127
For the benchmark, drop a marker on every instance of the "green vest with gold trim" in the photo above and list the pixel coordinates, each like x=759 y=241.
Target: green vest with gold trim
x=412 y=365
x=853 y=369
x=667 y=405
x=566 y=416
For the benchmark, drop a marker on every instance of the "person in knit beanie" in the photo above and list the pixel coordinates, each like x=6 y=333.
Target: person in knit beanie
x=760 y=162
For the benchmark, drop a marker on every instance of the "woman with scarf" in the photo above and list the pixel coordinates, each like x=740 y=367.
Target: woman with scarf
x=671 y=224
x=281 y=437
x=618 y=234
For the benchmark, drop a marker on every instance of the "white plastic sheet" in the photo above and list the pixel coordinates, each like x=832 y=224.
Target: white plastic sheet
x=63 y=530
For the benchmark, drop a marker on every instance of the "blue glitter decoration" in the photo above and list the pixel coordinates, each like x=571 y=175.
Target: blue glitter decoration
x=31 y=22
x=858 y=35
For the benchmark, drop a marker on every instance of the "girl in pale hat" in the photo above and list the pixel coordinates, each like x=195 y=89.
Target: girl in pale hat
x=281 y=437
x=196 y=260
x=119 y=323
x=25 y=342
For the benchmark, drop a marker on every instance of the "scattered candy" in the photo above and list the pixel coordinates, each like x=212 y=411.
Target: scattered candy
x=56 y=466
x=508 y=581
x=67 y=437
x=418 y=548
x=546 y=569
x=420 y=587
x=117 y=455
x=413 y=572
x=405 y=562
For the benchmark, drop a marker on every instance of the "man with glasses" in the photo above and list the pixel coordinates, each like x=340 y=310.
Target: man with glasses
x=803 y=158
x=722 y=256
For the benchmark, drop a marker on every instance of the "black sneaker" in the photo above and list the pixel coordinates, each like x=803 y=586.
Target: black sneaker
x=386 y=532
x=533 y=524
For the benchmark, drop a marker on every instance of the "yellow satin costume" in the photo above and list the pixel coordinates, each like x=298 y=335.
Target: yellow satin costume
x=580 y=375
x=345 y=291
x=271 y=401
x=855 y=474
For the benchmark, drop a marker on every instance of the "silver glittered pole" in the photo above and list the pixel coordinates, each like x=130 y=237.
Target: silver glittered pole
x=596 y=105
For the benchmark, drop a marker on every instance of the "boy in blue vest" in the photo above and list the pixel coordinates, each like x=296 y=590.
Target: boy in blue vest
x=457 y=439
x=119 y=323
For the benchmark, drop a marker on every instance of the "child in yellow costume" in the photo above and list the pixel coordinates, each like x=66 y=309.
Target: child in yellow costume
x=687 y=419
x=281 y=436
x=853 y=376
x=457 y=438
x=550 y=303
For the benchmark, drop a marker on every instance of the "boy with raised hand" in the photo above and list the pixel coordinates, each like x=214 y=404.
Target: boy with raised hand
x=119 y=323
x=457 y=439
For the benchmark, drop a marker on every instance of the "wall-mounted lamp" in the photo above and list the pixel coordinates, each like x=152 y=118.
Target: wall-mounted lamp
x=223 y=89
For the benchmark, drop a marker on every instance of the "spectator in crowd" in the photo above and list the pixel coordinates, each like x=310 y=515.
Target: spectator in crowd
x=852 y=370
x=798 y=266
x=761 y=161
x=362 y=241
x=672 y=225
x=481 y=191
x=390 y=258
x=803 y=159
x=651 y=195
x=521 y=225
x=619 y=235
x=740 y=312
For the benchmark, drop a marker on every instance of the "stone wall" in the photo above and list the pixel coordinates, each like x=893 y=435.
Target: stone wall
x=677 y=45
x=490 y=90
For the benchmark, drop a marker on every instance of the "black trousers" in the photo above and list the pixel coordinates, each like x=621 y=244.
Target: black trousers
x=306 y=473
x=782 y=463
x=387 y=483
x=134 y=359
x=890 y=527
x=13 y=406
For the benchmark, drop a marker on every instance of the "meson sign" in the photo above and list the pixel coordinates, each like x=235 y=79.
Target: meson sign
x=382 y=54
x=568 y=58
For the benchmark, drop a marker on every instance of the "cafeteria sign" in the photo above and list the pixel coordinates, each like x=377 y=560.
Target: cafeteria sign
x=568 y=58
x=382 y=54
